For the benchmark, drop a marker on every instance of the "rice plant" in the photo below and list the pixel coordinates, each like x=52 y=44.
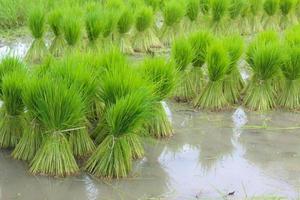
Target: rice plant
x=60 y=111
x=93 y=27
x=286 y=8
x=173 y=13
x=233 y=82
x=162 y=75
x=290 y=95
x=256 y=10
x=110 y=20
x=235 y=11
x=55 y=20
x=212 y=97
x=192 y=15
x=271 y=8
x=12 y=110
x=36 y=22
x=219 y=11
x=72 y=31
x=145 y=37
x=200 y=42
x=204 y=6
x=292 y=36
x=182 y=55
x=125 y=24
x=124 y=119
x=264 y=59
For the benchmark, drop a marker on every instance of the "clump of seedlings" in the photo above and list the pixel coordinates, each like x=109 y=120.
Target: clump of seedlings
x=110 y=20
x=204 y=6
x=55 y=20
x=286 y=8
x=173 y=13
x=72 y=31
x=38 y=49
x=93 y=27
x=290 y=95
x=271 y=8
x=182 y=55
x=124 y=26
x=12 y=110
x=200 y=41
x=145 y=37
x=162 y=75
x=219 y=11
x=235 y=11
x=233 y=82
x=124 y=120
x=256 y=10
x=264 y=59
x=192 y=15
x=212 y=97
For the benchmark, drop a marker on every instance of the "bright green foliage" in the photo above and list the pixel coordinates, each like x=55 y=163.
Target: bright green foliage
x=36 y=22
x=256 y=6
x=110 y=20
x=55 y=20
x=212 y=96
x=182 y=53
x=153 y=3
x=72 y=30
x=235 y=8
x=12 y=121
x=219 y=9
x=292 y=36
x=126 y=21
x=173 y=13
x=234 y=45
x=93 y=25
x=286 y=6
x=114 y=4
x=271 y=7
x=144 y=19
x=204 y=6
x=192 y=9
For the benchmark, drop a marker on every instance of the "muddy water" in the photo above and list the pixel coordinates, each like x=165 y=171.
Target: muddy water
x=211 y=155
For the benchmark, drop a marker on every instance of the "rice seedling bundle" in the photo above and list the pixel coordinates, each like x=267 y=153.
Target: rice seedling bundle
x=60 y=111
x=219 y=11
x=125 y=24
x=72 y=31
x=173 y=13
x=162 y=75
x=12 y=110
x=36 y=22
x=233 y=82
x=204 y=6
x=212 y=96
x=110 y=20
x=235 y=11
x=200 y=42
x=264 y=59
x=124 y=119
x=145 y=37
x=286 y=8
x=256 y=9
x=55 y=20
x=290 y=96
x=154 y=4
x=271 y=8
x=93 y=26
x=292 y=36
x=192 y=16
x=182 y=55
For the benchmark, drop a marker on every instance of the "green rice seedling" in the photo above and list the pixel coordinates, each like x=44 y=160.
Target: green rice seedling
x=286 y=8
x=72 y=31
x=182 y=55
x=255 y=11
x=212 y=96
x=271 y=8
x=173 y=13
x=55 y=20
x=12 y=110
x=154 y=4
x=145 y=37
x=264 y=59
x=292 y=36
x=192 y=11
x=233 y=82
x=290 y=96
x=114 y=4
x=124 y=119
x=110 y=20
x=38 y=49
x=8 y=65
x=60 y=111
x=219 y=11
x=125 y=24
x=93 y=27
x=162 y=75
x=204 y=6
x=235 y=11
x=200 y=42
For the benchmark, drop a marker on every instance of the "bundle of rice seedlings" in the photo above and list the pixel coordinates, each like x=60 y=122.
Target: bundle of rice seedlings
x=264 y=59
x=290 y=96
x=162 y=75
x=93 y=27
x=110 y=19
x=154 y=4
x=235 y=11
x=145 y=37
x=192 y=16
x=36 y=22
x=204 y=6
x=182 y=55
x=72 y=31
x=55 y=20
x=173 y=13
x=212 y=96
x=125 y=24
x=233 y=82
x=271 y=8
x=219 y=10
x=124 y=119
x=286 y=8
x=12 y=110
x=60 y=111
x=8 y=65
x=256 y=9
x=292 y=36
x=200 y=42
